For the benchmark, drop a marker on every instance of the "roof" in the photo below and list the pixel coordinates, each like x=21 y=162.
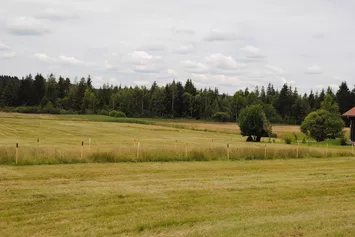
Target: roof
x=350 y=113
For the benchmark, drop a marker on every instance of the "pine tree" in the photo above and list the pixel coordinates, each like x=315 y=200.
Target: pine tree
x=39 y=85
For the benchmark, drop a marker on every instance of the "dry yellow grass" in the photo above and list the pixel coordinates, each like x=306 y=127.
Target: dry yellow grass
x=310 y=197
x=61 y=136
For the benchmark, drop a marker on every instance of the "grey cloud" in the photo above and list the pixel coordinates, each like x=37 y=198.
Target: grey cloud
x=223 y=62
x=8 y=55
x=152 y=48
x=195 y=67
x=185 y=49
x=4 y=47
x=183 y=31
x=315 y=69
x=57 y=14
x=26 y=26
x=222 y=36
x=63 y=60
x=318 y=35
x=146 y=70
x=252 y=52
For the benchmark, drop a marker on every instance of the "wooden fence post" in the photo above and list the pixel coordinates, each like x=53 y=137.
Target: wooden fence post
x=298 y=144
x=82 y=150
x=37 y=147
x=89 y=145
x=265 y=153
x=228 y=151
x=138 y=145
x=326 y=151
x=16 y=153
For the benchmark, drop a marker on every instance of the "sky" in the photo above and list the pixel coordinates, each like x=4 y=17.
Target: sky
x=226 y=44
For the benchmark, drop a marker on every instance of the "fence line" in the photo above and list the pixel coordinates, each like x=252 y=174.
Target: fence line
x=177 y=152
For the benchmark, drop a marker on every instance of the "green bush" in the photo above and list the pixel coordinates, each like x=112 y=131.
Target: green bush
x=273 y=135
x=64 y=111
x=287 y=139
x=221 y=117
x=103 y=112
x=27 y=109
x=117 y=114
x=343 y=140
x=49 y=109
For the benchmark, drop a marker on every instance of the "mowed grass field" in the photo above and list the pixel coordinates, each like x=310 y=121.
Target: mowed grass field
x=252 y=193
x=111 y=140
x=296 y=197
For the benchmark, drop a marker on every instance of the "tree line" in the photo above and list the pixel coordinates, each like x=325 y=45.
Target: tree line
x=174 y=100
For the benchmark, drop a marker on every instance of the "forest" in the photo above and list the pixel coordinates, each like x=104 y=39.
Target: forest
x=174 y=100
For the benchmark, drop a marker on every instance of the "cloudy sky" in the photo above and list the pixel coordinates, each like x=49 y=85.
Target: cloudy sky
x=228 y=44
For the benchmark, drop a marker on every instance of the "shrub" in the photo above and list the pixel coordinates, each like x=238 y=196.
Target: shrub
x=27 y=109
x=103 y=112
x=49 y=109
x=343 y=140
x=287 y=139
x=273 y=135
x=64 y=111
x=117 y=114
x=221 y=117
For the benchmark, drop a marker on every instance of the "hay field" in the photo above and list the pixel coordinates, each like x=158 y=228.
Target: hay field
x=304 y=197
x=60 y=138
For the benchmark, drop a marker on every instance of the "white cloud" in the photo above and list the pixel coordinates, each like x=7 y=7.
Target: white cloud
x=152 y=48
x=141 y=57
x=99 y=81
x=45 y=58
x=315 y=69
x=275 y=69
x=285 y=81
x=55 y=14
x=145 y=69
x=8 y=55
x=172 y=72
x=61 y=60
x=194 y=67
x=4 y=47
x=223 y=62
x=142 y=83
x=26 y=26
x=108 y=66
x=252 y=52
x=182 y=31
x=332 y=86
x=143 y=62
x=216 y=80
x=71 y=60
x=222 y=36
x=185 y=49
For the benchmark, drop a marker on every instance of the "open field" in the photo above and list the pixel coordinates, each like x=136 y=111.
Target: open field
x=308 y=197
x=112 y=140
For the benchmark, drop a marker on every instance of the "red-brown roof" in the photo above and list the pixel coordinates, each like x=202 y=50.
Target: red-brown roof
x=350 y=113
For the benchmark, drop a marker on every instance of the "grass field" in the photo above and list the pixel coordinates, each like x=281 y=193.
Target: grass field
x=259 y=194
x=308 y=197
x=112 y=140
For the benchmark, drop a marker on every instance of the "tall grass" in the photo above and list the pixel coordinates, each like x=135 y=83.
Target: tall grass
x=46 y=155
